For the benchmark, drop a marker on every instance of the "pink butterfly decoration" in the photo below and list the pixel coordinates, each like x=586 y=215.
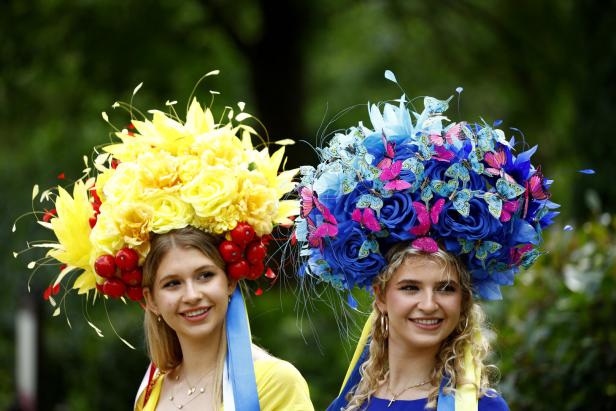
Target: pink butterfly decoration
x=391 y=172
x=509 y=207
x=455 y=133
x=534 y=189
x=442 y=154
x=390 y=153
x=437 y=140
x=426 y=219
x=496 y=161
x=366 y=219
x=306 y=201
x=425 y=244
x=516 y=254
x=397 y=185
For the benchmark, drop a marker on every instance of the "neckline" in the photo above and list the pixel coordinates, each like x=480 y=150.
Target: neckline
x=404 y=401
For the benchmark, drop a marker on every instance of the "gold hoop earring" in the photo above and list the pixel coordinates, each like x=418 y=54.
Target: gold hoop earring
x=384 y=325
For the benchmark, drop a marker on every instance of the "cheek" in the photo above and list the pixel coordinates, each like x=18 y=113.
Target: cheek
x=398 y=304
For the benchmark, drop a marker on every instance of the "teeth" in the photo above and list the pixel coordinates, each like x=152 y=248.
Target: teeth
x=427 y=322
x=196 y=312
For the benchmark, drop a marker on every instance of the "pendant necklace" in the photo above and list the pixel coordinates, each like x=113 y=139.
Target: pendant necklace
x=192 y=389
x=395 y=396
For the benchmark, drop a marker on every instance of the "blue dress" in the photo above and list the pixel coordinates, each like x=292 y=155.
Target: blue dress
x=485 y=404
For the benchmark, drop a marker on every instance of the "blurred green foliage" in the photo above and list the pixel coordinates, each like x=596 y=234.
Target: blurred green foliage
x=556 y=333
x=544 y=67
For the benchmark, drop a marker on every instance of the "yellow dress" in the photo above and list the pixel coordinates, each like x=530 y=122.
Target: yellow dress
x=280 y=387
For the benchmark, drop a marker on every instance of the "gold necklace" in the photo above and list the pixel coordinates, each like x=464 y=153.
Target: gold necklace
x=395 y=396
x=189 y=393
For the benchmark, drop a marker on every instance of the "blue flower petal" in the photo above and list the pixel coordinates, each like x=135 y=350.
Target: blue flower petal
x=587 y=171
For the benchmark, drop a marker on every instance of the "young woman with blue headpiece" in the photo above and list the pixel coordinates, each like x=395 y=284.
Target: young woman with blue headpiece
x=174 y=216
x=428 y=215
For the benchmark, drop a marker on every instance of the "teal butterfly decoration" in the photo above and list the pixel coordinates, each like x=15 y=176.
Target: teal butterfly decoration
x=467 y=245
x=495 y=204
x=371 y=201
x=416 y=167
x=444 y=189
x=434 y=105
x=458 y=171
x=485 y=141
x=368 y=246
x=486 y=248
x=475 y=162
x=509 y=189
x=461 y=201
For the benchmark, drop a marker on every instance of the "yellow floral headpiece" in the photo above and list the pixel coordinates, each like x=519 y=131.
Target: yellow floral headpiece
x=165 y=174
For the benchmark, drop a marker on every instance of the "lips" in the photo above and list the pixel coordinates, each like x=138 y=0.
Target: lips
x=427 y=323
x=197 y=314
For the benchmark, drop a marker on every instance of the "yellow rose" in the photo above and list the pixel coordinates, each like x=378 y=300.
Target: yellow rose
x=222 y=222
x=169 y=211
x=189 y=167
x=158 y=170
x=124 y=184
x=259 y=202
x=221 y=147
x=211 y=191
x=105 y=235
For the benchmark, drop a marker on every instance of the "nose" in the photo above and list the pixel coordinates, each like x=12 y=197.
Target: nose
x=191 y=293
x=427 y=302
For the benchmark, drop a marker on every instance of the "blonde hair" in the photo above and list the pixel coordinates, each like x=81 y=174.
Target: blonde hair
x=162 y=342
x=449 y=361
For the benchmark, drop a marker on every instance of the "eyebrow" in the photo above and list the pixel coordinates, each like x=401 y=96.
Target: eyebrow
x=405 y=281
x=201 y=268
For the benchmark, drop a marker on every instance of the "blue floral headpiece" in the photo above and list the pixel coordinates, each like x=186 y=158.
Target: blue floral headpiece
x=419 y=177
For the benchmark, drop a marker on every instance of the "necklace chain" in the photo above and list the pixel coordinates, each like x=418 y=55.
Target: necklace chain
x=192 y=389
x=395 y=396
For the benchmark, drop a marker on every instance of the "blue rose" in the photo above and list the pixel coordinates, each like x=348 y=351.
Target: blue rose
x=342 y=254
x=479 y=225
x=398 y=216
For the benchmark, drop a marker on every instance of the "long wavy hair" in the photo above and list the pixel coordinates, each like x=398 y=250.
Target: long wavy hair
x=449 y=360
x=162 y=342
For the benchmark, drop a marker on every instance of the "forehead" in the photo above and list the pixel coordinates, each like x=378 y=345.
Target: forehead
x=422 y=268
x=179 y=259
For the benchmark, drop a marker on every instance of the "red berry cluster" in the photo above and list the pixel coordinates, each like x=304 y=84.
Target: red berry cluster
x=244 y=253
x=96 y=205
x=122 y=274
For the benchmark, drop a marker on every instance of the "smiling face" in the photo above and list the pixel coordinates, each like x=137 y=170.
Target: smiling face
x=190 y=292
x=423 y=302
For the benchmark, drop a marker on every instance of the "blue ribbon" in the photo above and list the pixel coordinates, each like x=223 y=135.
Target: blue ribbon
x=353 y=380
x=446 y=402
x=239 y=355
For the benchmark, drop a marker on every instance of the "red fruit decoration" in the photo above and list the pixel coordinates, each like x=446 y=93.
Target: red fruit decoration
x=135 y=293
x=255 y=271
x=132 y=278
x=242 y=234
x=238 y=270
x=230 y=251
x=255 y=252
x=127 y=259
x=105 y=266
x=114 y=287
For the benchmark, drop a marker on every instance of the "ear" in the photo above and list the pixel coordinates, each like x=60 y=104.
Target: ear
x=231 y=287
x=149 y=301
x=379 y=298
